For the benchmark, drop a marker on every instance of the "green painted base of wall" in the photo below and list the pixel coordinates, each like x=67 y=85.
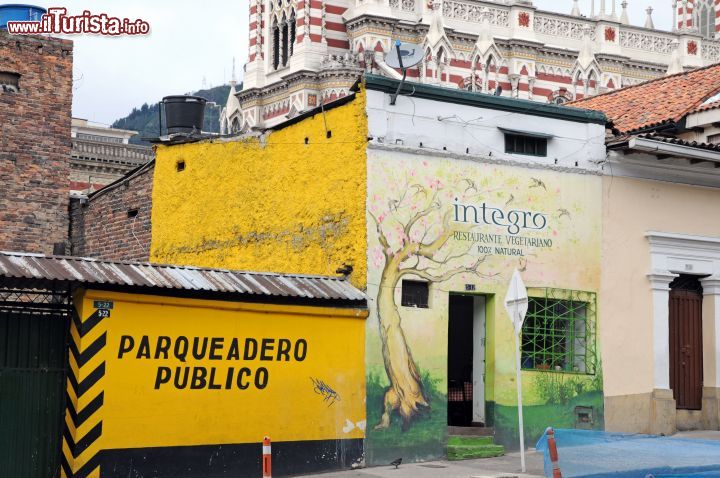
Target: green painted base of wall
x=538 y=417
x=424 y=439
x=471 y=452
x=467 y=447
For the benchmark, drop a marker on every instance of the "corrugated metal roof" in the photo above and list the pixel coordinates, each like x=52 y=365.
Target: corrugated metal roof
x=135 y=274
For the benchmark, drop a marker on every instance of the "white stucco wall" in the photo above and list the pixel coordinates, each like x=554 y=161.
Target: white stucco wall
x=472 y=131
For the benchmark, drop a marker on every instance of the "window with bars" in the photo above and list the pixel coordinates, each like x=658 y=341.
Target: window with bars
x=559 y=332
x=527 y=145
x=415 y=294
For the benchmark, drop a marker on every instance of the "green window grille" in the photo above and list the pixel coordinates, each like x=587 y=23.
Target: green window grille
x=559 y=332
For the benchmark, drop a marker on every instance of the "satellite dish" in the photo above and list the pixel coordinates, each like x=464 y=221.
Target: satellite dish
x=410 y=53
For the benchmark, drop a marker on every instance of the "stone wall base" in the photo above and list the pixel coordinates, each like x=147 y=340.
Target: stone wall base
x=652 y=413
x=711 y=408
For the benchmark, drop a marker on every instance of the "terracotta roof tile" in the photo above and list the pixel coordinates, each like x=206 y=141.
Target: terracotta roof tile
x=707 y=107
x=618 y=140
x=656 y=102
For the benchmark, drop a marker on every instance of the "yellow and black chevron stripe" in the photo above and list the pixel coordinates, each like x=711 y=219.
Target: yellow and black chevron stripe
x=85 y=396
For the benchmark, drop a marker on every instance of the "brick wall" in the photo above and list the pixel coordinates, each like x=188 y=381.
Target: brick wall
x=35 y=143
x=114 y=223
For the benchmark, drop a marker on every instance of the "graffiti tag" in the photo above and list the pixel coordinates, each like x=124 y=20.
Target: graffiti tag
x=324 y=390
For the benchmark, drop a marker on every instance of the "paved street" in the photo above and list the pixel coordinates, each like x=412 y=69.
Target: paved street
x=504 y=466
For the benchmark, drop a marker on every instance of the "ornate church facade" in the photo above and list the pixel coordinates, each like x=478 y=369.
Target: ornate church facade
x=304 y=53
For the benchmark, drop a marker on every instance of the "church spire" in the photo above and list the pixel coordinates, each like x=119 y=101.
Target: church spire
x=587 y=55
x=436 y=33
x=575 y=9
x=675 y=65
x=624 y=15
x=233 y=78
x=649 y=20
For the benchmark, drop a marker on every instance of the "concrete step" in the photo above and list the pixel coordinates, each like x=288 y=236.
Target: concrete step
x=472 y=431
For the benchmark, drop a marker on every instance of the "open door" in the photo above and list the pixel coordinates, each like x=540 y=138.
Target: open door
x=466 y=361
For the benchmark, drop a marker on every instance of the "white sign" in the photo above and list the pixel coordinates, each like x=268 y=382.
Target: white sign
x=516 y=301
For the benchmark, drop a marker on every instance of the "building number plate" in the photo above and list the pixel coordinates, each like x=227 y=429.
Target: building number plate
x=102 y=304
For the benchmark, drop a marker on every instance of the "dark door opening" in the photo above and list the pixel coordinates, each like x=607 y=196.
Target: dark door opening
x=466 y=361
x=33 y=357
x=686 y=343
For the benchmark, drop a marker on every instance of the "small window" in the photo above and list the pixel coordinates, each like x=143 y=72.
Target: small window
x=9 y=82
x=714 y=139
x=557 y=335
x=180 y=166
x=527 y=145
x=415 y=294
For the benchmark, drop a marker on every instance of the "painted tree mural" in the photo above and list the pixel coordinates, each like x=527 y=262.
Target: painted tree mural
x=414 y=232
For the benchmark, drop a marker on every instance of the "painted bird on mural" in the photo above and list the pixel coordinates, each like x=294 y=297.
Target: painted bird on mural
x=418 y=190
x=538 y=183
x=563 y=212
x=396 y=463
x=470 y=183
x=510 y=199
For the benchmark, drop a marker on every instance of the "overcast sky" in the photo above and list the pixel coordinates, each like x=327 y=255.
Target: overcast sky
x=190 y=41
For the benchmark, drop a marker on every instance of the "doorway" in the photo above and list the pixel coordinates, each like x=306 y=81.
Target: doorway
x=686 y=343
x=34 y=327
x=466 y=361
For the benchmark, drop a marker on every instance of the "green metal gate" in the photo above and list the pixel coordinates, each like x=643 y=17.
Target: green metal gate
x=34 y=329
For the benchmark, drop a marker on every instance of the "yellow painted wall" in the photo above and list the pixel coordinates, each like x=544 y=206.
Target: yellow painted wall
x=140 y=412
x=631 y=208
x=281 y=206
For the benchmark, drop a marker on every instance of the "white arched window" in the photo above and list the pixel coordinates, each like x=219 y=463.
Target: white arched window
x=705 y=15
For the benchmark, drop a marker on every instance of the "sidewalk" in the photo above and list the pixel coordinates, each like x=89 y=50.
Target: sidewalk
x=501 y=467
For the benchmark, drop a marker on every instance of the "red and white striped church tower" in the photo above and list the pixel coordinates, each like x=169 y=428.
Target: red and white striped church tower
x=303 y=52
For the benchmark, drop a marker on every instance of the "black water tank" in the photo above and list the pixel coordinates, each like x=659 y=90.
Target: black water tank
x=184 y=114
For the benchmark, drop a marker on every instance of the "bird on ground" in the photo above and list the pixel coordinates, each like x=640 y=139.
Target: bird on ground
x=396 y=463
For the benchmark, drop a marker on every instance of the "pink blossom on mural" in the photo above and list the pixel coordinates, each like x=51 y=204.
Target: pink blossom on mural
x=692 y=48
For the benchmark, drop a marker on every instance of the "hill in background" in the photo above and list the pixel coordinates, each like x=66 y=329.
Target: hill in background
x=145 y=118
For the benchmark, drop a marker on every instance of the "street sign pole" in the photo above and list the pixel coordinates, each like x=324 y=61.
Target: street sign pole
x=520 y=407
x=516 y=305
